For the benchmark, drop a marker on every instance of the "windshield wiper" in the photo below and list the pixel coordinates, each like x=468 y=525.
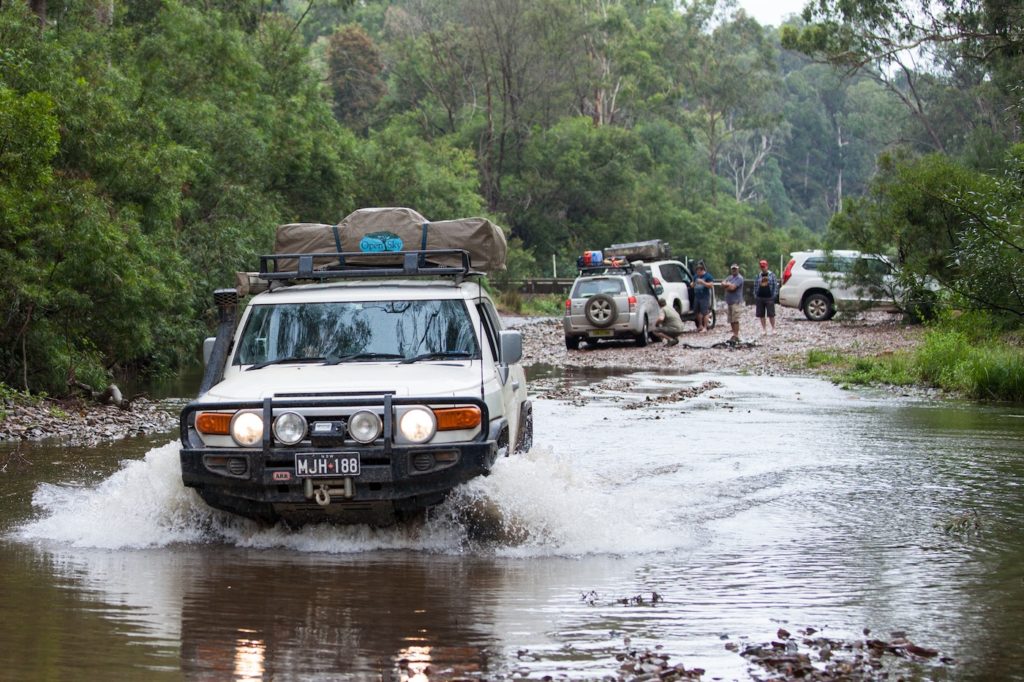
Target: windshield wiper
x=284 y=361
x=437 y=355
x=363 y=356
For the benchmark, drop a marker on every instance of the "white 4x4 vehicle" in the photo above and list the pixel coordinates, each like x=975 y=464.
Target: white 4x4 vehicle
x=675 y=280
x=356 y=395
x=814 y=282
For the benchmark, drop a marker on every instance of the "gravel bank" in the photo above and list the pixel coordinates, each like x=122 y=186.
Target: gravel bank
x=785 y=351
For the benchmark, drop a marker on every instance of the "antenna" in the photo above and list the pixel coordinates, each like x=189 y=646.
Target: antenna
x=480 y=332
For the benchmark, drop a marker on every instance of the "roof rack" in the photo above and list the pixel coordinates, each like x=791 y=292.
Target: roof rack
x=606 y=269
x=409 y=264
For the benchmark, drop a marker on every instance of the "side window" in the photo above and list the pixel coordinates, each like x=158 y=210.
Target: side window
x=878 y=267
x=671 y=272
x=642 y=285
x=491 y=324
x=814 y=263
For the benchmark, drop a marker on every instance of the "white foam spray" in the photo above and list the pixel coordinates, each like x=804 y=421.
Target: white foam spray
x=533 y=504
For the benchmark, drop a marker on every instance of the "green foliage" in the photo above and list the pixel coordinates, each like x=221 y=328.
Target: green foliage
x=948 y=224
x=959 y=354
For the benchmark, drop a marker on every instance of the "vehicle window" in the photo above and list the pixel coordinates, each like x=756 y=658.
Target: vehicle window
x=670 y=272
x=642 y=285
x=877 y=266
x=403 y=329
x=586 y=288
x=814 y=263
x=491 y=324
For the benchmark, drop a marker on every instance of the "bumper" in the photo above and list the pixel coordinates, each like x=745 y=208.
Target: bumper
x=628 y=328
x=263 y=484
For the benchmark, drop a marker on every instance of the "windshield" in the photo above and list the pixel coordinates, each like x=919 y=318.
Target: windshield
x=357 y=332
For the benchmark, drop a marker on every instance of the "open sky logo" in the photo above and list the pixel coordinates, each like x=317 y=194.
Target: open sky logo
x=376 y=242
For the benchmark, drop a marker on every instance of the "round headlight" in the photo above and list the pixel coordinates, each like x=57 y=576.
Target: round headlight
x=364 y=427
x=247 y=429
x=417 y=425
x=290 y=428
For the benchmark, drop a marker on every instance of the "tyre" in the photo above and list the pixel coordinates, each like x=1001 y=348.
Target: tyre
x=641 y=338
x=818 y=307
x=572 y=342
x=601 y=310
x=712 y=319
x=525 y=440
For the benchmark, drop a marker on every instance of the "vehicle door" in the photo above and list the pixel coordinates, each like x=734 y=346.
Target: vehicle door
x=510 y=378
x=646 y=301
x=678 y=278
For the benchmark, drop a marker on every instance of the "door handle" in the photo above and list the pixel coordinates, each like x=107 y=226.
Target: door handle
x=515 y=385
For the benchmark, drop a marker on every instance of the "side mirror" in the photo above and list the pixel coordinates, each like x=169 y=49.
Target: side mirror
x=511 y=347
x=208 y=349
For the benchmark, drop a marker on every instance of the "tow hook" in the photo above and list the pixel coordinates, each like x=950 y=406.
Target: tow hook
x=322 y=492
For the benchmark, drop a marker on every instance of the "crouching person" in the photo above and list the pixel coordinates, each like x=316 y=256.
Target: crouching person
x=669 y=325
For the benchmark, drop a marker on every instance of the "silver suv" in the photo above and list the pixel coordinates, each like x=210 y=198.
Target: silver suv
x=610 y=303
x=815 y=282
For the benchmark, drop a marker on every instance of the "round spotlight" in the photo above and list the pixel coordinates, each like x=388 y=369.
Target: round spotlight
x=365 y=427
x=417 y=425
x=247 y=429
x=290 y=428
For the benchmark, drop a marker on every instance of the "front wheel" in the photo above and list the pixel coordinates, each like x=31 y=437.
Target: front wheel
x=641 y=338
x=572 y=342
x=712 y=319
x=818 y=308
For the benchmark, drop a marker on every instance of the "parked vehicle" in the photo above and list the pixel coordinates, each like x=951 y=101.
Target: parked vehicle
x=610 y=303
x=672 y=280
x=354 y=393
x=815 y=282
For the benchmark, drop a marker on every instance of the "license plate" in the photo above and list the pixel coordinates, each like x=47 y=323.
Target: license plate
x=602 y=332
x=326 y=464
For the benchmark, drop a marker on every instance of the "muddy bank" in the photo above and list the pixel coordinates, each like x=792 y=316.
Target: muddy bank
x=785 y=351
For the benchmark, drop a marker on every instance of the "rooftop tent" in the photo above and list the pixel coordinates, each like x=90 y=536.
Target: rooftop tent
x=376 y=231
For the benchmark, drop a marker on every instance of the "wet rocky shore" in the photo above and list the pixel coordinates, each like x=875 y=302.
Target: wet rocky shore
x=79 y=422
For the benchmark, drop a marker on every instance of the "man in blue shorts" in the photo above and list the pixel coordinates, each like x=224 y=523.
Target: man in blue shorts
x=702 y=286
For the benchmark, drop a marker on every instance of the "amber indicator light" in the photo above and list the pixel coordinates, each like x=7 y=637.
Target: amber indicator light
x=453 y=418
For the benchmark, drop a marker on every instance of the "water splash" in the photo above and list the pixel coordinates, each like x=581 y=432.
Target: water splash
x=533 y=504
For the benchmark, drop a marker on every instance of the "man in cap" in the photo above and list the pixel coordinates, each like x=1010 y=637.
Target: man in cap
x=733 y=285
x=766 y=286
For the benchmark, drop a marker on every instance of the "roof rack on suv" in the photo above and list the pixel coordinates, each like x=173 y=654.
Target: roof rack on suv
x=607 y=269
x=412 y=263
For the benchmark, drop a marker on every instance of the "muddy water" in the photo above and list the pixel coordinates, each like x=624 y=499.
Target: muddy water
x=764 y=503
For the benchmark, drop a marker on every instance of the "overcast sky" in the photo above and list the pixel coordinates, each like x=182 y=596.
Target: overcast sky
x=772 y=11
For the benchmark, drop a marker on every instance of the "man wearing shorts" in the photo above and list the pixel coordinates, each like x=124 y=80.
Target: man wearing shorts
x=733 y=285
x=702 y=286
x=765 y=287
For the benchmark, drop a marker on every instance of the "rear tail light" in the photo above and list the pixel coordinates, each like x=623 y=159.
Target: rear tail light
x=632 y=303
x=789 y=270
x=568 y=304
x=656 y=281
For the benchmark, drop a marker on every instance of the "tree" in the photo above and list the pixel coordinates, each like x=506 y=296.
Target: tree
x=353 y=74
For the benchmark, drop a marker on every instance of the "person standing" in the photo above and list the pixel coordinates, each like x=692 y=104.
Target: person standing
x=766 y=286
x=733 y=285
x=669 y=325
x=702 y=287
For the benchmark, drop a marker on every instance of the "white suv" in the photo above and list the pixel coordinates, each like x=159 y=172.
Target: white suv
x=672 y=280
x=814 y=282
x=365 y=396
